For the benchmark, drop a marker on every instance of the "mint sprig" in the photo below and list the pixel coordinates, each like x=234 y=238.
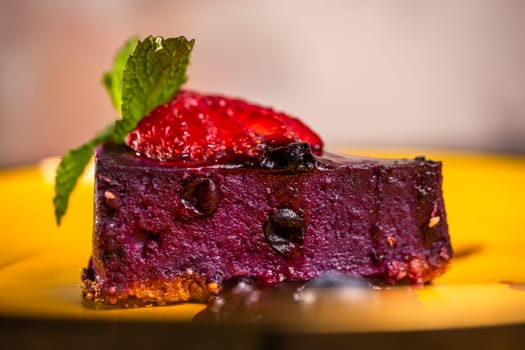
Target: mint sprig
x=112 y=79
x=145 y=74
x=70 y=169
x=153 y=75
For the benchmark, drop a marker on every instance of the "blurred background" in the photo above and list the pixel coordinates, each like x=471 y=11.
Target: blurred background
x=363 y=73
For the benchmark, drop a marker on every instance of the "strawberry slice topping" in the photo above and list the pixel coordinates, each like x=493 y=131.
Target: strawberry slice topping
x=201 y=129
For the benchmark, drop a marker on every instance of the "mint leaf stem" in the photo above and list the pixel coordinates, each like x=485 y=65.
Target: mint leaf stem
x=70 y=169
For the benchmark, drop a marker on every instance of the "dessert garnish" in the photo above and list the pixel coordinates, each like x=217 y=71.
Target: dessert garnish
x=196 y=129
x=145 y=74
x=244 y=301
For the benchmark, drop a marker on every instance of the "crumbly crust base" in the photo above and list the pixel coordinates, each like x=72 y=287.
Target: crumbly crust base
x=188 y=287
x=194 y=287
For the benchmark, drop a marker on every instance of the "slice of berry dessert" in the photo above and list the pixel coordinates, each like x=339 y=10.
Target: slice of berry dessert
x=206 y=188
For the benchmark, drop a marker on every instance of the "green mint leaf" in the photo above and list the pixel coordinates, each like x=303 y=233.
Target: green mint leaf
x=144 y=75
x=71 y=168
x=112 y=79
x=153 y=74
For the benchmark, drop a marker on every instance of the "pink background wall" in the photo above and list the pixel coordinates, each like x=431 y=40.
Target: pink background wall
x=363 y=73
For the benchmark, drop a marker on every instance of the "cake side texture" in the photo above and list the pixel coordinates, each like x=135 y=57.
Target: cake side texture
x=165 y=234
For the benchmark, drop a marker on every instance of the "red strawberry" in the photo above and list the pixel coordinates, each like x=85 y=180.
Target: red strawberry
x=195 y=128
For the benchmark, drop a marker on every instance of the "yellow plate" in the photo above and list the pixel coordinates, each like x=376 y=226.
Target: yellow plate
x=40 y=264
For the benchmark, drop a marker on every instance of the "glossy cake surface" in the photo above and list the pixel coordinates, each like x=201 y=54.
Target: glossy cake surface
x=166 y=234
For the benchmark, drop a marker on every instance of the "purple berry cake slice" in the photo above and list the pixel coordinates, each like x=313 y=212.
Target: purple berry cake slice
x=166 y=234
x=193 y=190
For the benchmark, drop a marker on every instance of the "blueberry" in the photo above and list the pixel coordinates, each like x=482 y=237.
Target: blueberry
x=88 y=273
x=239 y=285
x=284 y=230
x=296 y=156
x=335 y=287
x=334 y=279
x=200 y=198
